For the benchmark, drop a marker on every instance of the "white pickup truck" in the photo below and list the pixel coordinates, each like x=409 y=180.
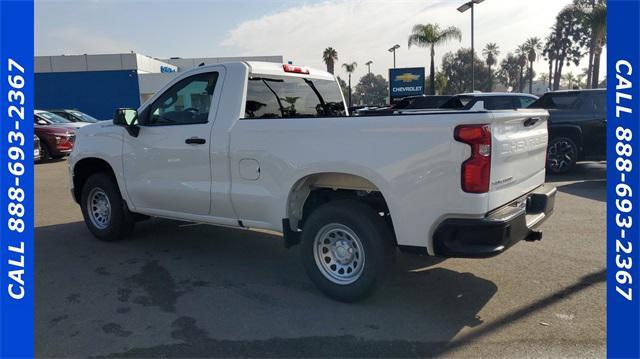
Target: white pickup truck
x=270 y=146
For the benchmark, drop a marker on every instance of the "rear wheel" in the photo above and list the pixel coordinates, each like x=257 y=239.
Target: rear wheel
x=562 y=155
x=103 y=209
x=346 y=249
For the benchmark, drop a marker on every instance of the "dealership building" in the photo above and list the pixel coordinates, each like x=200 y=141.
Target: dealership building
x=98 y=84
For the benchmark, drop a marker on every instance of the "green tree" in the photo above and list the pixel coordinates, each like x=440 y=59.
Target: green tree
x=431 y=35
x=521 y=55
x=371 y=90
x=533 y=46
x=592 y=14
x=490 y=53
x=330 y=56
x=509 y=72
x=441 y=82
x=456 y=67
x=350 y=68
x=565 y=43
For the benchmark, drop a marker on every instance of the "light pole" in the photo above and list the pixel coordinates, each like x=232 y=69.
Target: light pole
x=368 y=63
x=464 y=7
x=393 y=49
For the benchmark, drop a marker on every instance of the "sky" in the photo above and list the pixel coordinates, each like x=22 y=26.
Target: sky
x=360 y=30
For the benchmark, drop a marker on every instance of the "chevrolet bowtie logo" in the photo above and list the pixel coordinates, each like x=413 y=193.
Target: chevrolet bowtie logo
x=407 y=77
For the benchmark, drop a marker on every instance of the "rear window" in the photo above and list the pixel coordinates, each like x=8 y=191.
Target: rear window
x=292 y=97
x=426 y=102
x=458 y=102
x=498 y=102
x=559 y=100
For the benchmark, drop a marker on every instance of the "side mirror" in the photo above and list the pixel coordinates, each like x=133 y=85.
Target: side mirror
x=42 y=122
x=127 y=118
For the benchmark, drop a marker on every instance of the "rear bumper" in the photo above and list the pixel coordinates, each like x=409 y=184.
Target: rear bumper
x=498 y=230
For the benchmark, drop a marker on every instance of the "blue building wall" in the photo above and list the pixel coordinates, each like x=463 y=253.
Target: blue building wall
x=97 y=93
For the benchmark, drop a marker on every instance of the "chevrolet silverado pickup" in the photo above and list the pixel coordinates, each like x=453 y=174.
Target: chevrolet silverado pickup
x=270 y=146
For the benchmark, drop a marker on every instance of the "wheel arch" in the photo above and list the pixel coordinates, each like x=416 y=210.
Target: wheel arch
x=573 y=132
x=85 y=168
x=315 y=189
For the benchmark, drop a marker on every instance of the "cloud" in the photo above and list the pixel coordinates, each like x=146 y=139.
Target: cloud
x=75 y=40
x=363 y=30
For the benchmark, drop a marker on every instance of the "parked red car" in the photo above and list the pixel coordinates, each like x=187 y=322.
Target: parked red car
x=56 y=139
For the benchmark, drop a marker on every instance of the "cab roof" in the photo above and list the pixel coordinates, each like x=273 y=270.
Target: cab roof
x=273 y=68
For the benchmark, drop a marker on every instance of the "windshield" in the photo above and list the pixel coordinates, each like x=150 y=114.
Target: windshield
x=287 y=97
x=84 y=117
x=52 y=118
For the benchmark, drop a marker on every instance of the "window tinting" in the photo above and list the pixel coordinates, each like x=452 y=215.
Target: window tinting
x=498 y=102
x=186 y=102
x=458 y=102
x=525 y=101
x=600 y=102
x=559 y=100
x=286 y=97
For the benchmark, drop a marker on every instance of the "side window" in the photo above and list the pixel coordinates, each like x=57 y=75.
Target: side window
x=524 y=102
x=186 y=102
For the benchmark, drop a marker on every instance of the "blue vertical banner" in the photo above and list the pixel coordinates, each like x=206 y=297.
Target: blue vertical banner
x=16 y=179
x=623 y=179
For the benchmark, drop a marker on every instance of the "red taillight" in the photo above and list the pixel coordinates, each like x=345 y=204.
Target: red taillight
x=295 y=69
x=476 y=171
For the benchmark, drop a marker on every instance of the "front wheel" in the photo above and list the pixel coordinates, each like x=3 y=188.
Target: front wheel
x=103 y=208
x=562 y=155
x=346 y=249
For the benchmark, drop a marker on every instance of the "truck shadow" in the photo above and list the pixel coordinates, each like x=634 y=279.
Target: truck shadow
x=588 y=180
x=583 y=171
x=187 y=290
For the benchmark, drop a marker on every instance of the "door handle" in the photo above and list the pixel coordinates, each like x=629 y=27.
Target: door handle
x=531 y=121
x=195 y=141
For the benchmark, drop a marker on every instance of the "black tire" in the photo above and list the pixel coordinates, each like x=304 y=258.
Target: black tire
x=120 y=223
x=562 y=155
x=376 y=240
x=45 y=153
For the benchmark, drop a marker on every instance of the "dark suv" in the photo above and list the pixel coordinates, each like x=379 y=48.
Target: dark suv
x=577 y=127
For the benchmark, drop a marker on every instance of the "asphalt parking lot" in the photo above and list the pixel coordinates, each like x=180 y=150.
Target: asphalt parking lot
x=181 y=290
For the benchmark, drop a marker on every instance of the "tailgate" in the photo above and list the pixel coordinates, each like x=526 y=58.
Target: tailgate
x=518 y=156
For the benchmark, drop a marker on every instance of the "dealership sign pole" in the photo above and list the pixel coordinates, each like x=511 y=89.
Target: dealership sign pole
x=16 y=179
x=623 y=179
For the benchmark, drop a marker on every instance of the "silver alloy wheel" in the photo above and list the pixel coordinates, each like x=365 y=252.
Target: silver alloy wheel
x=339 y=253
x=561 y=153
x=99 y=208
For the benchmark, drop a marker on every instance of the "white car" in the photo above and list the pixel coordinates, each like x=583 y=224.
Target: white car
x=269 y=146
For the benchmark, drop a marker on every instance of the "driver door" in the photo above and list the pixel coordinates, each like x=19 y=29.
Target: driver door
x=167 y=167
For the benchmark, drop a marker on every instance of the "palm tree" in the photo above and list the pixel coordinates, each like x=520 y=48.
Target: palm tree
x=570 y=78
x=350 y=68
x=521 y=54
x=599 y=28
x=533 y=46
x=491 y=52
x=430 y=35
x=330 y=56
